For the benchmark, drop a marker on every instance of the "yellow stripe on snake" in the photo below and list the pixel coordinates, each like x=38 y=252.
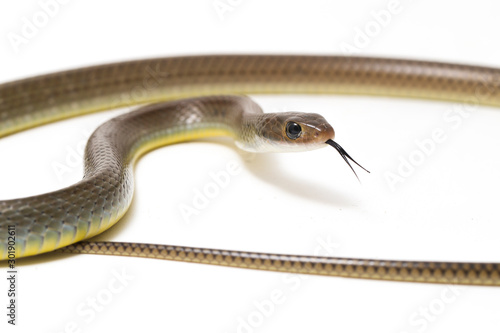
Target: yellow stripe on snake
x=59 y=219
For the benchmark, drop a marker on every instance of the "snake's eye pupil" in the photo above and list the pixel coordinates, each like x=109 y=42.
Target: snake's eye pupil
x=293 y=130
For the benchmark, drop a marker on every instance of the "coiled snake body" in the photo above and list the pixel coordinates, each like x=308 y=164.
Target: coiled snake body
x=54 y=220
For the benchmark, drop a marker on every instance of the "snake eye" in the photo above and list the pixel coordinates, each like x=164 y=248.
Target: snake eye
x=293 y=130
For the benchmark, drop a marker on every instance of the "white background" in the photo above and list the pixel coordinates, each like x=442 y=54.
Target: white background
x=304 y=203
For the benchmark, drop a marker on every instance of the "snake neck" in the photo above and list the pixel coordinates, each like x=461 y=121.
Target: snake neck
x=131 y=135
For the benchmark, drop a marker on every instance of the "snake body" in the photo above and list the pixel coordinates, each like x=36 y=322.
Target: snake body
x=50 y=221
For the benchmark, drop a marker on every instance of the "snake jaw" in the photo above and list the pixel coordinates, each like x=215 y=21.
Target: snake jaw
x=345 y=156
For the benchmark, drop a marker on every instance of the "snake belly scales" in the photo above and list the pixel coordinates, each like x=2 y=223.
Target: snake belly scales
x=59 y=219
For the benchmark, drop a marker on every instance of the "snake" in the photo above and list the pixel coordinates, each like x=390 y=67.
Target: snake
x=190 y=97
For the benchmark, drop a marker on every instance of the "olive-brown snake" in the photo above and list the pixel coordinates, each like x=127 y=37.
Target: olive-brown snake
x=46 y=222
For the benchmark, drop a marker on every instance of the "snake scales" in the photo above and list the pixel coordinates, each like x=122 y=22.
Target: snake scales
x=50 y=221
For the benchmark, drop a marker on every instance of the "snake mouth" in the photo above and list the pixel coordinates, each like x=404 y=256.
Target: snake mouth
x=345 y=156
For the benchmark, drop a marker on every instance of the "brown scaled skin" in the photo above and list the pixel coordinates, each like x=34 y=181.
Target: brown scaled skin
x=317 y=130
x=43 y=99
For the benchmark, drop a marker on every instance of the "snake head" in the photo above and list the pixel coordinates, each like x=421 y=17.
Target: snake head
x=305 y=131
x=290 y=131
x=287 y=132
